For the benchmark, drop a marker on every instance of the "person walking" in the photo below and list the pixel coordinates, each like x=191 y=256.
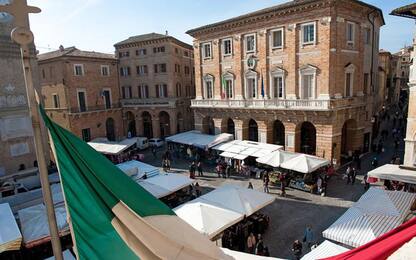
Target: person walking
x=353 y=175
x=297 y=249
x=348 y=173
x=199 y=166
x=259 y=245
x=282 y=184
x=192 y=170
x=198 y=190
x=308 y=236
x=154 y=152
x=266 y=182
x=251 y=243
x=374 y=162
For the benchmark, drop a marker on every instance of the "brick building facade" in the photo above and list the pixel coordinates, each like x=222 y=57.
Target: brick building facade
x=302 y=74
x=157 y=84
x=80 y=92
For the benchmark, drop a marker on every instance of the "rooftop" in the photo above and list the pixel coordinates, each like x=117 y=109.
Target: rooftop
x=74 y=52
x=408 y=11
x=151 y=37
x=269 y=10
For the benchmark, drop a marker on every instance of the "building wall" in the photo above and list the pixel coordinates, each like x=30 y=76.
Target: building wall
x=16 y=133
x=330 y=55
x=66 y=84
x=410 y=140
x=180 y=85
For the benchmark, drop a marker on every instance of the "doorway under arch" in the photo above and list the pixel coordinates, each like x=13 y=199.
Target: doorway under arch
x=278 y=133
x=308 y=138
x=131 y=124
x=164 y=120
x=253 y=131
x=147 y=124
x=110 y=129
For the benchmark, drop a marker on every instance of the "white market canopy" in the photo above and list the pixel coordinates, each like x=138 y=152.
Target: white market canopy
x=10 y=237
x=241 y=149
x=207 y=217
x=375 y=213
x=104 y=146
x=221 y=208
x=246 y=256
x=324 y=250
x=199 y=140
x=138 y=169
x=304 y=163
x=394 y=172
x=276 y=158
x=162 y=185
x=34 y=224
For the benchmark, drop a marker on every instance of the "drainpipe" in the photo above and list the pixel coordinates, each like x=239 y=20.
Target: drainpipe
x=372 y=47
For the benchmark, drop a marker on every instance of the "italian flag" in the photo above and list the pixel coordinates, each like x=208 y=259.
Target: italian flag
x=111 y=216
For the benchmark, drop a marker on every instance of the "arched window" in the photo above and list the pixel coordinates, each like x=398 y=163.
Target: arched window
x=349 y=80
x=277 y=83
x=208 y=86
x=307 y=82
x=227 y=85
x=251 y=84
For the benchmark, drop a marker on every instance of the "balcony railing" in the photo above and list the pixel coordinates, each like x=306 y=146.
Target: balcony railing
x=89 y=109
x=298 y=104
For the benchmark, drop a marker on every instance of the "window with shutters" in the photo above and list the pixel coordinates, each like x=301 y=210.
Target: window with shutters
x=56 y=103
x=308 y=82
x=276 y=38
x=78 y=69
x=227 y=47
x=350 y=33
x=125 y=71
x=206 y=50
x=141 y=70
x=250 y=43
x=162 y=91
x=82 y=100
x=208 y=87
x=106 y=94
x=105 y=70
x=143 y=91
x=277 y=79
x=308 y=33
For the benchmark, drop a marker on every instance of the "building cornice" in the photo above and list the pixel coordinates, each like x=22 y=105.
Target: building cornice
x=169 y=39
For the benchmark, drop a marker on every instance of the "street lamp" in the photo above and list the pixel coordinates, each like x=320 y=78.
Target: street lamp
x=22 y=35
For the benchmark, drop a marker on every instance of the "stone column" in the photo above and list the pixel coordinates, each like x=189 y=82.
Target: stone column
x=265 y=132
x=218 y=126
x=410 y=140
x=139 y=126
x=241 y=129
x=156 y=126
x=290 y=137
x=173 y=121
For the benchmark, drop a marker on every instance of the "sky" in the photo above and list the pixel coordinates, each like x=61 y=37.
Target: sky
x=96 y=25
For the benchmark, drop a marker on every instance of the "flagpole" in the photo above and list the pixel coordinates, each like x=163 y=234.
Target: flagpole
x=22 y=35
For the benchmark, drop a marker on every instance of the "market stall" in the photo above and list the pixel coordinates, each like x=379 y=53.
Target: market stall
x=165 y=184
x=138 y=169
x=199 y=140
x=10 y=237
x=394 y=172
x=115 y=151
x=375 y=213
x=34 y=224
x=325 y=249
x=245 y=148
x=276 y=158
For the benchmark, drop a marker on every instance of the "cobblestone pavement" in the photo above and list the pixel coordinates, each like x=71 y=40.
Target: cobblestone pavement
x=291 y=214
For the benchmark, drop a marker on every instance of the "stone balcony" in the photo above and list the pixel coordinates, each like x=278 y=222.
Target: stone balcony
x=285 y=104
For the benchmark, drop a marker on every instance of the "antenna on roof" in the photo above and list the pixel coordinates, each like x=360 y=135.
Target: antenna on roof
x=166 y=33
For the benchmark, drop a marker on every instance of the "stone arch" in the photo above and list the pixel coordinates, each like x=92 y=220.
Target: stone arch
x=164 y=120
x=306 y=132
x=228 y=126
x=131 y=124
x=208 y=125
x=349 y=136
x=147 y=124
x=278 y=133
x=110 y=129
x=253 y=130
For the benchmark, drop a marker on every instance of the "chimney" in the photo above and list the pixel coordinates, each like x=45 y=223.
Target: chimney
x=166 y=33
x=61 y=48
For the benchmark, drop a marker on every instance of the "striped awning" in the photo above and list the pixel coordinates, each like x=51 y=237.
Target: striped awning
x=325 y=249
x=375 y=213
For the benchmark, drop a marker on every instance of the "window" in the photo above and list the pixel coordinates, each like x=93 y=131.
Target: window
x=159 y=49
x=277 y=83
x=186 y=53
x=177 y=68
x=160 y=68
x=82 y=102
x=43 y=74
x=206 y=50
x=51 y=71
x=141 y=52
x=251 y=84
x=125 y=71
x=123 y=54
x=367 y=36
x=105 y=70
x=186 y=70
x=107 y=98
x=349 y=80
x=126 y=92
x=308 y=33
x=308 y=82
x=208 y=87
x=86 y=134
x=350 y=33
x=228 y=88
x=143 y=91
x=178 y=90
x=162 y=91
x=276 y=38
x=141 y=69
x=176 y=50
x=78 y=69
x=250 y=43
x=55 y=100
x=227 y=47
